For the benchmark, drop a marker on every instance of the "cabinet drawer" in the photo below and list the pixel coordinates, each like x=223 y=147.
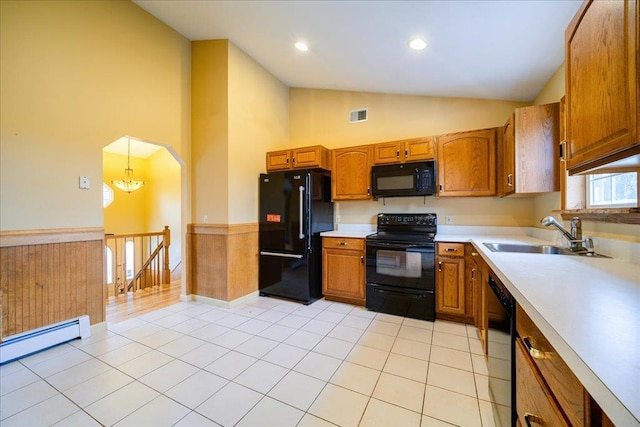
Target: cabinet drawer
x=451 y=249
x=343 y=242
x=534 y=402
x=563 y=383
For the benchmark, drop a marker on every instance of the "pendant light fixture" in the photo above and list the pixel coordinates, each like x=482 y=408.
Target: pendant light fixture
x=128 y=184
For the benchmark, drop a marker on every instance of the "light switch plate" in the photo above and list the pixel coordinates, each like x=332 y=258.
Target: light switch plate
x=84 y=184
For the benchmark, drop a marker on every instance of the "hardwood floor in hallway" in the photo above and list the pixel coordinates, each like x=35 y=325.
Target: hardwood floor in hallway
x=132 y=304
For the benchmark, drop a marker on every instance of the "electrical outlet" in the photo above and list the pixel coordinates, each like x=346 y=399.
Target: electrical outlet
x=448 y=219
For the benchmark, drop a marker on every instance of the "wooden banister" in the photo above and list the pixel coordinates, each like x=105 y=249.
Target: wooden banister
x=153 y=261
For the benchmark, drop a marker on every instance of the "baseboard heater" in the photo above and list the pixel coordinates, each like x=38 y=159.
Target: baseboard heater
x=19 y=345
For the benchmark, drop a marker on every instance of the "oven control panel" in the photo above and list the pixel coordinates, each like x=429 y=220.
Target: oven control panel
x=407 y=219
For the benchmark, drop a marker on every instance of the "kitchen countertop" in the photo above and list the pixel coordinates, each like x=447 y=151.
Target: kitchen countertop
x=588 y=309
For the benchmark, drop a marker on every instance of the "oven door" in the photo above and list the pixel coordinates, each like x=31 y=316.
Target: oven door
x=402 y=265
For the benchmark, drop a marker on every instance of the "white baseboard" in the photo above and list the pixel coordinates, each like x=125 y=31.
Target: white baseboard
x=221 y=303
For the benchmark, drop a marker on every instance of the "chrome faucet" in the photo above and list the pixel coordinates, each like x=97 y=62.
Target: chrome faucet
x=574 y=237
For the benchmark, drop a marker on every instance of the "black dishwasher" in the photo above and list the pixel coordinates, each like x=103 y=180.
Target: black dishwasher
x=500 y=352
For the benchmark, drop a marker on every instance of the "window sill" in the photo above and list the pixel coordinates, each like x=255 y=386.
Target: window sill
x=614 y=215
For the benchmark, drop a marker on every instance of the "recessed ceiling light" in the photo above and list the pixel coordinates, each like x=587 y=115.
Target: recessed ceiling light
x=417 y=44
x=302 y=46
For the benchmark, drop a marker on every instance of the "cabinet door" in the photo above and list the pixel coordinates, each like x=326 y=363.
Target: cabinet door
x=537 y=163
x=351 y=174
x=450 y=286
x=467 y=163
x=419 y=149
x=310 y=157
x=506 y=179
x=278 y=160
x=343 y=273
x=602 y=84
x=534 y=402
x=388 y=152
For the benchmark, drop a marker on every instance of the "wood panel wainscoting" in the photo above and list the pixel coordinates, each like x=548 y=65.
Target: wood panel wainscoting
x=223 y=260
x=48 y=276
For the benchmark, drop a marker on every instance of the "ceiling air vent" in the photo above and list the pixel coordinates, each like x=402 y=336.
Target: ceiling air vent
x=357 y=116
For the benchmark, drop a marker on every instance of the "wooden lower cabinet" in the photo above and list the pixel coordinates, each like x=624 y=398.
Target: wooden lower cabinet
x=343 y=269
x=535 y=403
x=562 y=383
x=450 y=281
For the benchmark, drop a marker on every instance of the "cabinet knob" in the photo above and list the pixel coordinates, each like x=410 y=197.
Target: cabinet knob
x=361 y=260
x=474 y=253
x=343 y=243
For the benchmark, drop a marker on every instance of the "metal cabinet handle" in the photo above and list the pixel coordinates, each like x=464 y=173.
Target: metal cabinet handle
x=474 y=253
x=293 y=160
x=509 y=180
x=361 y=260
x=397 y=154
x=451 y=250
x=440 y=266
x=563 y=150
x=368 y=191
x=531 y=418
x=534 y=352
x=342 y=243
x=406 y=153
x=473 y=273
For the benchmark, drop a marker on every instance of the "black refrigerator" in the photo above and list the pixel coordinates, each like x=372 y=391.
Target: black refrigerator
x=295 y=207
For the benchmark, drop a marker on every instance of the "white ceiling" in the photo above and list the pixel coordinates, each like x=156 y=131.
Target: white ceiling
x=505 y=49
x=139 y=148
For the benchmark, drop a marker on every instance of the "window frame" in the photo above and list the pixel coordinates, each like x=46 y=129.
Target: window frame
x=588 y=191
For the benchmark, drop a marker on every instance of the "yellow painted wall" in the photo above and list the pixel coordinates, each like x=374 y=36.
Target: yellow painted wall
x=546 y=204
x=210 y=131
x=127 y=213
x=258 y=122
x=239 y=112
x=162 y=200
x=321 y=117
x=75 y=76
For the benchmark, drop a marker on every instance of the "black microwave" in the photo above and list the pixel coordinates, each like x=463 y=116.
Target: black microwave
x=403 y=180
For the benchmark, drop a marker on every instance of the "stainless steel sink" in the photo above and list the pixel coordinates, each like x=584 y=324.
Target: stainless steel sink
x=537 y=249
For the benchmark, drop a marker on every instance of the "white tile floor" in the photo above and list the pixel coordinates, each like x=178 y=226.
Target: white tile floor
x=267 y=363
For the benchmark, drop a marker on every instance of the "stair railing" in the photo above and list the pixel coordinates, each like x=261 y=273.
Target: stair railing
x=140 y=260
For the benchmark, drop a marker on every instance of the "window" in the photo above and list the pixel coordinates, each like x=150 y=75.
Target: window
x=128 y=259
x=107 y=195
x=612 y=190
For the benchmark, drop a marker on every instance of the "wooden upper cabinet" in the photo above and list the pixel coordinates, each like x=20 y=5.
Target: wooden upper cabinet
x=529 y=151
x=314 y=157
x=602 y=84
x=467 y=163
x=406 y=150
x=351 y=174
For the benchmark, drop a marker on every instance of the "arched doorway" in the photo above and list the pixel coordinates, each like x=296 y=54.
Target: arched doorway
x=142 y=269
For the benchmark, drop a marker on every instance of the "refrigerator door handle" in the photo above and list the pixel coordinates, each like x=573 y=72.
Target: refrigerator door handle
x=301 y=234
x=281 y=255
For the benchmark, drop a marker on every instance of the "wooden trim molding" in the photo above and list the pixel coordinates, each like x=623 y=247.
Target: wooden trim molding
x=222 y=229
x=616 y=216
x=45 y=236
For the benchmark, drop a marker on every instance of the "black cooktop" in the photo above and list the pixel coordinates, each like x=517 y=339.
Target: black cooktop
x=419 y=228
